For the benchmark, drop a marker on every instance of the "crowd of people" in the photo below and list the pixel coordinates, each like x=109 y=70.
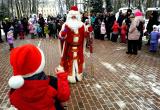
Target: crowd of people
x=129 y=27
x=30 y=87
x=35 y=27
x=105 y=25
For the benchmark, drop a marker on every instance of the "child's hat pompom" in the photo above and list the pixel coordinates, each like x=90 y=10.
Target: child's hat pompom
x=16 y=82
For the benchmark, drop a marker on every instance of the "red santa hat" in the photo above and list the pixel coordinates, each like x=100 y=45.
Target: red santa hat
x=73 y=12
x=26 y=61
x=74 y=8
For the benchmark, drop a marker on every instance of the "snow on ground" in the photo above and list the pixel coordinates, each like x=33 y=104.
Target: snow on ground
x=109 y=66
x=87 y=54
x=155 y=87
x=121 y=65
x=120 y=48
x=121 y=104
x=133 y=76
x=98 y=86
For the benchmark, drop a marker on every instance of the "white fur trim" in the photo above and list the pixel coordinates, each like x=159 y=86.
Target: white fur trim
x=72 y=79
x=16 y=82
x=60 y=69
x=41 y=67
x=74 y=13
x=74 y=24
x=79 y=76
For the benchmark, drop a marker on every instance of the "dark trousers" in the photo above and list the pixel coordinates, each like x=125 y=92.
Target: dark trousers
x=6 y=36
x=108 y=35
x=132 y=46
x=114 y=37
x=15 y=35
x=140 y=43
x=153 y=47
x=11 y=46
x=44 y=35
x=1 y=38
x=102 y=36
x=40 y=35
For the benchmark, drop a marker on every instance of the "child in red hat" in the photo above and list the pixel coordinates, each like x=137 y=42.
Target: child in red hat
x=31 y=88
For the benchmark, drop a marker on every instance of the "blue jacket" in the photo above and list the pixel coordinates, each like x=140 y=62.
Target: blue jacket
x=154 y=37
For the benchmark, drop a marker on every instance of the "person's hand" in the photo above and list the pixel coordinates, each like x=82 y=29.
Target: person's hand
x=59 y=69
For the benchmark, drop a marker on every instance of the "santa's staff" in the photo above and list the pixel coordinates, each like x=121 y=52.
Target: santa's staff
x=91 y=37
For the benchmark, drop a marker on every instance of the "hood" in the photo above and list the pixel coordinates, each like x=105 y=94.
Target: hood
x=34 y=90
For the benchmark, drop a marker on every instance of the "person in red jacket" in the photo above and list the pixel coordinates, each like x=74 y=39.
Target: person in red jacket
x=123 y=32
x=31 y=88
x=115 y=29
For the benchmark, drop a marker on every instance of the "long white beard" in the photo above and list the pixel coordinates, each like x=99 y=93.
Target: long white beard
x=74 y=24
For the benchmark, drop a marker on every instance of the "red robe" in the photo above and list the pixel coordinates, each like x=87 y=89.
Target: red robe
x=70 y=46
x=39 y=95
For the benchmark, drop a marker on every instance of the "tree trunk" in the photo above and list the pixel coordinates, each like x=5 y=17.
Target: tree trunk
x=34 y=6
x=12 y=8
x=8 y=8
x=17 y=8
x=30 y=6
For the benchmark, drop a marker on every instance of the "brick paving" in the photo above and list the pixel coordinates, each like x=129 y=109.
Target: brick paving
x=113 y=80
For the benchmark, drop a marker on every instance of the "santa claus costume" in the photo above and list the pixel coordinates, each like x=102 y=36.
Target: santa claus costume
x=72 y=37
x=31 y=88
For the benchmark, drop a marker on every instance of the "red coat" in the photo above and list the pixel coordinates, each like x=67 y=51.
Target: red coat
x=115 y=27
x=67 y=56
x=123 y=29
x=39 y=95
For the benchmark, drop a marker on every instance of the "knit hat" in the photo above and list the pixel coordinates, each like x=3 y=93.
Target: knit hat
x=138 y=13
x=129 y=10
x=155 y=27
x=26 y=61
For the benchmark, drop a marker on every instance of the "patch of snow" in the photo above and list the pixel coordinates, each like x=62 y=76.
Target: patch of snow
x=156 y=89
x=109 y=67
x=87 y=85
x=87 y=54
x=98 y=86
x=132 y=76
x=151 y=77
x=144 y=104
x=133 y=66
x=121 y=104
x=150 y=101
x=121 y=65
x=129 y=85
x=120 y=48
